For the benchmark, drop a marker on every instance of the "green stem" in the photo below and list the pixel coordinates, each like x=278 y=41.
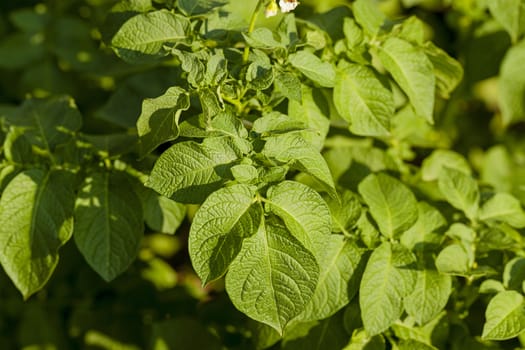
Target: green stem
x=251 y=26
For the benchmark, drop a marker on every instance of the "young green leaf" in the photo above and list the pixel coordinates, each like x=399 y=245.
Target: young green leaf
x=413 y=71
x=503 y=207
x=389 y=277
x=363 y=100
x=293 y=150
x=430 y=295
x=505 y=316
x=108 y=223
x=273 y=277
x=320 y=72
x=224 y=220
x=36 y=219
x=392 y=205
x=188 y=171
x=454 y=260
x=433 y=164
x=460 y=190
x=303 y=210
x=289 y=85
x=146 y=33
x=159 y=120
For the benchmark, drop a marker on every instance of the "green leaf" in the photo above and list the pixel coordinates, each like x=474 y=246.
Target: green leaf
x=454 y=259
x=363 y=100
x=388 y=278
x=49 y=122
x=159 y=119
x=503 y=207
x=313 y=110
x=512 y=85
x=146 y=33
x=224 y=220
x=273 y=277
x=259 y=76
x=36 y=219
x=188 y=171
x=345 y=212
x=199 y=7
x=303 y=210
x=430 y=295
x=505 y=316
x=339 y=263
x=163 y=214
x=293 y=150
x=108 y=223
x=320 y=72
x=289 y=85
x=353 y=34
x=510 y=14
x=413 y=71
x=514 y=274
x=392 y=205
x=276 y=123
x=460 y=190
x=368 y=15
x=262 y=38
x=448 y=71
x=425 y=233
x=434 y=164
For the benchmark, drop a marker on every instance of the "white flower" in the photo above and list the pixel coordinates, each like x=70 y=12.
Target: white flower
x=288 y=5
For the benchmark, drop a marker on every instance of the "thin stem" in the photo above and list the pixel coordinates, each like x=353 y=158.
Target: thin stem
x=251 y=26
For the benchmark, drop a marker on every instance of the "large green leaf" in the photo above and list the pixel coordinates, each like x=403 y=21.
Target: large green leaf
x=320 y=72
x=368 y=15
x=430 y=295
x=225 y=218
x=503 y=207
x=510 y=14
x=159 y=120
x=363 y=100
x=36 y=219
x=505 y=316
x=293 y=150
x=339 y=263
x=460 y=190
x=302 y=209
x=389 y=277
x=512 y=85
x=273 y=277
x=413 y=71
x=188 y=171
x=392 y=205
x=146 y=33
x=108 y=223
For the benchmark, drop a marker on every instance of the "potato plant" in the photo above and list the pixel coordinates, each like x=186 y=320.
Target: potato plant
x=212 y=174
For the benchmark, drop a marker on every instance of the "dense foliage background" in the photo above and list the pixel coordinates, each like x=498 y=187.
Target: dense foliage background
x=434 y=184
